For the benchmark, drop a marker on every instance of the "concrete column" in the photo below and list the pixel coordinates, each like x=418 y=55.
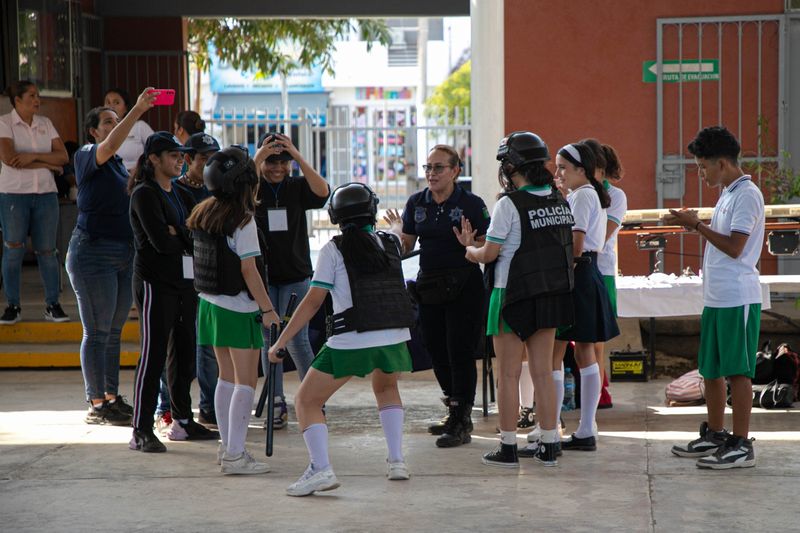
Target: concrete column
x=488 y=95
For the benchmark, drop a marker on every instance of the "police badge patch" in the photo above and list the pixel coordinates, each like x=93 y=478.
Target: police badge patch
x=420 y=214
x=455 y=214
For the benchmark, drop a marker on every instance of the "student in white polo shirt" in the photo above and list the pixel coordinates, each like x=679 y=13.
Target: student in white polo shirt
x=732 y=300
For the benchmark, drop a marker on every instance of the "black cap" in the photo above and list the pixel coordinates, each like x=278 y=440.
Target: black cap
x=163 y=141
x=202 y=143
x=268 y=137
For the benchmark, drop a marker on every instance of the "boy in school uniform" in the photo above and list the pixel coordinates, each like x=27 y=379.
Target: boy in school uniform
x=732 y=300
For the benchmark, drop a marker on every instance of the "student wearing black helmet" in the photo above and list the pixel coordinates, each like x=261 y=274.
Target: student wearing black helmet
x=450 y=289
x=281 y=216
x=234 y=304
x=372 y=313
x=165 y=297
x=529 y=252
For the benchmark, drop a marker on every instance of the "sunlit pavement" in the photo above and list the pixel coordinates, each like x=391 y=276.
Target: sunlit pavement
x=57 y=473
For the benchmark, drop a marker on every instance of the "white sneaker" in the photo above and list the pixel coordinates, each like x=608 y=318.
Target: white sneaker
x=243 y=464
x=398 y=471
x=535 y=434
x=311 y=482
x=220 y=452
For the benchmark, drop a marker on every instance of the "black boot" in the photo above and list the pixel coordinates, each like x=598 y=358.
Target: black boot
x=437 y=428
x=459 y=426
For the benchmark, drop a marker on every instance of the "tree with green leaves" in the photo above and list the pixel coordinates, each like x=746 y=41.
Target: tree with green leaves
x=452 y=93
x=277 y=46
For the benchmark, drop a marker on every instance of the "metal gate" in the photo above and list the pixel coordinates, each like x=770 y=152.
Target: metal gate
x=727 y=71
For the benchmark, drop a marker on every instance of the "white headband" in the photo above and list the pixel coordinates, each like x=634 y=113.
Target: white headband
x=573 y=152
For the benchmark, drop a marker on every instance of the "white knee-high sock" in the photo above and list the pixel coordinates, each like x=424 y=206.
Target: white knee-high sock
x=222 y=405
x=239 y=418
x=558 y=382
x=316 y=437
x=392 y=423
x=525 y=386
x=590 y=396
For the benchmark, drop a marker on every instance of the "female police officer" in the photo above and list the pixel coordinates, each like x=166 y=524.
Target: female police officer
x=450 y=289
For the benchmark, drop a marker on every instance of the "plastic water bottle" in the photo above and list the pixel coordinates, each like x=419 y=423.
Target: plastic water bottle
x=569 y=390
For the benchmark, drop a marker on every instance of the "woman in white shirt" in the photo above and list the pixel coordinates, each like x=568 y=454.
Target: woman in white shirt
x=31 y=151
x=594 y=319
x=119 y=100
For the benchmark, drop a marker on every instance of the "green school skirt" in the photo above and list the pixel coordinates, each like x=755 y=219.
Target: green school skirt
x=217 y=326
x=362 y=361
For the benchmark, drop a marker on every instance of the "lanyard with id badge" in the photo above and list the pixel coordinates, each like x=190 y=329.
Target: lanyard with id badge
x=277 y=218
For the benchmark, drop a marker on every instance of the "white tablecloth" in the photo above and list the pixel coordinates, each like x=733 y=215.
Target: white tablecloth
x=664 y=295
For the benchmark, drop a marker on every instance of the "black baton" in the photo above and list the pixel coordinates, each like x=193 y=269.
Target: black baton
x=262 y=398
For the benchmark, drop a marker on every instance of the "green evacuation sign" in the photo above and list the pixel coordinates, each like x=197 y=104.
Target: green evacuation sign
x=686 y=70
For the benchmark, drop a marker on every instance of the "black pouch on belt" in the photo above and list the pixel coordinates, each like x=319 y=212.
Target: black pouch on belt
x=441 y=286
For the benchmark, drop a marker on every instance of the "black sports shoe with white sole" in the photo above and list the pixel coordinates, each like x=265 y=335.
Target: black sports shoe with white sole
x=11 y=315
x=504 y=456
x=706 y=445
x=54 y=313
x=737 y=452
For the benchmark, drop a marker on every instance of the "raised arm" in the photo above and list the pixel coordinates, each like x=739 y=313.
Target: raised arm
x=109 y=146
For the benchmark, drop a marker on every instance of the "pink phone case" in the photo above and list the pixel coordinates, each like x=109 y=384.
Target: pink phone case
x=165 y=97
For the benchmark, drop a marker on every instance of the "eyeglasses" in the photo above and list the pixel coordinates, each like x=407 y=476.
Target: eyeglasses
x=435 y=169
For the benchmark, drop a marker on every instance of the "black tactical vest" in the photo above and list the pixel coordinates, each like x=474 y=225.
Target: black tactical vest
x=380 y=300
x=217 y=268
x=543 y=263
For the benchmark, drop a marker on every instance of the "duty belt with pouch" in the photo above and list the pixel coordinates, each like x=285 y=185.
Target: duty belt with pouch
x=439 y=287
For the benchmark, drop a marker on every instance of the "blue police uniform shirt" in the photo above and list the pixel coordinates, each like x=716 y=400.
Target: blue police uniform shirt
x=433 y=224
x=103 y=200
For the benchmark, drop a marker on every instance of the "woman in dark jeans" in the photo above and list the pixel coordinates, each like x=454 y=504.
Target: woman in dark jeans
x=450 y=289
x=100 y=258
x=164 y=291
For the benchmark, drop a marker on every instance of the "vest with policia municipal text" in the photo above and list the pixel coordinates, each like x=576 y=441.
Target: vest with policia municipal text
x=380 y=300
x=542 y=265
x=217 y=268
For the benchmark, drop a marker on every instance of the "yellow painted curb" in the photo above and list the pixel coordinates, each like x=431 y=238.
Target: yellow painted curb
x=52 y=332
x=56 y=359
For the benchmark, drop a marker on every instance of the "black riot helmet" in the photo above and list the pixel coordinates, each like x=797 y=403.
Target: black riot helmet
x=352 y=200
x=228 y=170
x=521 y=148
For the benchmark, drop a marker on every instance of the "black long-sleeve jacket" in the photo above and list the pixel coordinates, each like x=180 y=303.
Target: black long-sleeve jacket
x=159 y=254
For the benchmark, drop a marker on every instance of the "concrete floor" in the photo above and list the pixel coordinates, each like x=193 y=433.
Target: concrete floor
x=57 y=473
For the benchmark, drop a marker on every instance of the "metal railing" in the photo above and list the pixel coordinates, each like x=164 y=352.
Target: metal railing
x=381 y=146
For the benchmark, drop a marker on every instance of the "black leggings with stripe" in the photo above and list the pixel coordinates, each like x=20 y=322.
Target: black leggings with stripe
x=166 y=317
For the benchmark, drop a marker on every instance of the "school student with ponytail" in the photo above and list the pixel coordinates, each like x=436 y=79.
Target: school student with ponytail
x=164 y=293
x=608 y=170
x=234 y=303
x=594 y=318
x=372 y=313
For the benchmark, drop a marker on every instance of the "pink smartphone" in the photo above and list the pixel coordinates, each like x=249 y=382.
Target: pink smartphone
x=165 y=96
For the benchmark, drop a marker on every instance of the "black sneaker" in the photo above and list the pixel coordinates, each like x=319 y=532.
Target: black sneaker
x=54 y=313
x=121 y=405
x=586 y=444
x=146 y=441
x=105 y=414
x=11 y=315
x=708 y=443
x=526 y=419
x=531 y=449
x=736 y=452
x=207 y=418
x=504 y=456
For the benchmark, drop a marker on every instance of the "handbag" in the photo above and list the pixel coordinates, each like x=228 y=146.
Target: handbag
x=775 y=396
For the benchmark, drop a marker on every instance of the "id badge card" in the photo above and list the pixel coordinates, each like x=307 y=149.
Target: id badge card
x=277 y=219
x=188 y=267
